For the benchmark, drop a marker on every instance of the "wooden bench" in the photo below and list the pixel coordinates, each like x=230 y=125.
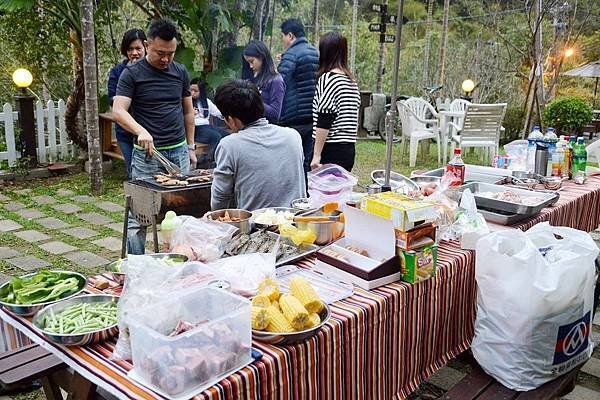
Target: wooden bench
x=20 y=367
x=480 y=386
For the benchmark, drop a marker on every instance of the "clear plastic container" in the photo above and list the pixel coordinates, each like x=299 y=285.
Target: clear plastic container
x=331 y=179
x=219 y=345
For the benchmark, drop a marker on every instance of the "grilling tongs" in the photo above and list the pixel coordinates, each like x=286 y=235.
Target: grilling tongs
x=171 y=168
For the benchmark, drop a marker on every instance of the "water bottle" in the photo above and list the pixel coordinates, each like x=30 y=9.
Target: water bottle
x=535 y=136
x=558 y=159
x=550 y=140
x=167 y=227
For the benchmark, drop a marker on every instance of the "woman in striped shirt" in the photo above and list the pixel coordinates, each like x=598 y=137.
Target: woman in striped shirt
x=335 y=105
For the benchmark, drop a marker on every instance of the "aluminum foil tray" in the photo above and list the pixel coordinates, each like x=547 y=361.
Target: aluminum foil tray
x=545 y=199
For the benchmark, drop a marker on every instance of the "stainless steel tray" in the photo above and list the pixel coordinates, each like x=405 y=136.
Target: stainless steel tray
x=308 y=250
x=398 y=182
x=500 y=217
x=546 y=199
x=480 y=174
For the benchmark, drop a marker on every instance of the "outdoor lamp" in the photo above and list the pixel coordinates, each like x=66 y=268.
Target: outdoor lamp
x=468 y=86
x=22 y=78
x=24 y=104
x=569 y=52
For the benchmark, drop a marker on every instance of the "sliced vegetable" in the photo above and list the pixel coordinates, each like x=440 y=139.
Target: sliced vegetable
x=82 y=318
x=42 y=287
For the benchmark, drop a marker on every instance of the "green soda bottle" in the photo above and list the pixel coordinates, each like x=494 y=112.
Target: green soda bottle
x=579 y=157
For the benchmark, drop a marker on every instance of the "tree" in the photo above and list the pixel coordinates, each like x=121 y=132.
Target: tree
x=444 y=42
x=427 y=43
x=91 y=95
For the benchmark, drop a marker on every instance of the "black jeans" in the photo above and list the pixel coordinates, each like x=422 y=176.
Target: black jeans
x=306 y=131
x=210 y=135
x=341 y=154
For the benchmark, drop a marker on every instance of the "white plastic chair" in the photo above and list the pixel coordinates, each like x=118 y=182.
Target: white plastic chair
x=593 y=153
x=416 y=126
x=459 y=105
x=480 y=127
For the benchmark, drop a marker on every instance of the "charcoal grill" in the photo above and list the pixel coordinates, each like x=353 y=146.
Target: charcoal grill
x=148 y=202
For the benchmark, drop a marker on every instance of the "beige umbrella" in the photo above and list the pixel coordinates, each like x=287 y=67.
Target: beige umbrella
x=591 y=70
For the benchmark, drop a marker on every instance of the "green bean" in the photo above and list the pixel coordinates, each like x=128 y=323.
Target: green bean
x=82 y=318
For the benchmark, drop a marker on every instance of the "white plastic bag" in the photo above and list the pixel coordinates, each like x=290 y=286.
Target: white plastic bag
x=201 y=239
x=534 y=304
x=245 y=272
x=470 y=226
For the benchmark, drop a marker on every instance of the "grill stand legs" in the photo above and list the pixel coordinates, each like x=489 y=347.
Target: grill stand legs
x=126 y=225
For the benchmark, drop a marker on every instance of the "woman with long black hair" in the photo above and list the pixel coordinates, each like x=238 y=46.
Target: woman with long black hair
x=132 y=48
x=205 y=113
x=335 y=105
x=261 y=71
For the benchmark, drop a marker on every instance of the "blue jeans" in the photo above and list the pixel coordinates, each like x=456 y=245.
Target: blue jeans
x=210 y=135
x=127 y=151
x=136 y=234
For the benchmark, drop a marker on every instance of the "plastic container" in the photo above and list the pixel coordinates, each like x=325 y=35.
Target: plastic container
x=328 y=183
x=167 y=227
x=517 y=151
x=534 y=137
x=219 y=345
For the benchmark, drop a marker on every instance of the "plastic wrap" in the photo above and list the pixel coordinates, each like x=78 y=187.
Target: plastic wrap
x=446 y=207
x=201 y=239
x=470 y=225
x=245 y=272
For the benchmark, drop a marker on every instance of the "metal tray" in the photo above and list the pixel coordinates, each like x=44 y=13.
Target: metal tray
x=501 y=217
x=546 y=199
x=308 y=250
x=398 y=182
x=150 y=181
x=476 y=174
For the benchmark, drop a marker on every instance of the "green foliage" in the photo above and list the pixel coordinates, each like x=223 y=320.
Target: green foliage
x=568 y=114
x=512 y=123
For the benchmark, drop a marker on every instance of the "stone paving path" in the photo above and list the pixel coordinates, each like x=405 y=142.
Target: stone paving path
x=79 y=233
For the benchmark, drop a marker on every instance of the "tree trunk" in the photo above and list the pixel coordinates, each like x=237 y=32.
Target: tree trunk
x=427 y=51
x=265 y=19
x=316 y=25
x=443 y=43
x=353 y=39
x=91 y=95
x=257 y=21
x=539 y=72
x=76 y=98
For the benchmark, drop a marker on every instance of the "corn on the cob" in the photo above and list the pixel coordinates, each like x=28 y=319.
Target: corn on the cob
x=261 y=300
x=293 y=311
x=277 y=322
x=312 y=321
x=269 y=287
x=303 y=291
x=260 y=318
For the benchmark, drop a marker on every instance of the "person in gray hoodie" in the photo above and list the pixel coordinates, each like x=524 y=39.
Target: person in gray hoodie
x=259 y=165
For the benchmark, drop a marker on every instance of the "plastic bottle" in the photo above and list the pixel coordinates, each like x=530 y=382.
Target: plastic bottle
x=167 y=227
x=535 y=136
x=558 y=159
x=550 y=140
x=456 y=167
x=579 y=157
x=571 y=147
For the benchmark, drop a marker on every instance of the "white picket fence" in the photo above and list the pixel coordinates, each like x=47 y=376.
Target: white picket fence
x=52 y=141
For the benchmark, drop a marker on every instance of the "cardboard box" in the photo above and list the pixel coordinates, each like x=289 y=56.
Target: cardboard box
x=417 y=237
x=403 y=211
x=377 y=266
x=418 y=265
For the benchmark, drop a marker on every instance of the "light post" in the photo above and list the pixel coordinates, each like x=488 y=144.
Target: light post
x=24 y=102
x=468 y=86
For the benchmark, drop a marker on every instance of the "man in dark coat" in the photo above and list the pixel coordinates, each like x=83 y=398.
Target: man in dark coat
x=298 y=66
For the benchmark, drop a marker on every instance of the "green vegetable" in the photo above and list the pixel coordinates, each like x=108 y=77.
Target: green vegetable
x=82 y=318
x=42 y=287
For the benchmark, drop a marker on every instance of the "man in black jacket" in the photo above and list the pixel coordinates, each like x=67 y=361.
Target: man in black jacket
x=298 y=67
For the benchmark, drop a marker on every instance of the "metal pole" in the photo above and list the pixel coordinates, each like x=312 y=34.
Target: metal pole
x=390 y=125
x=24 y=103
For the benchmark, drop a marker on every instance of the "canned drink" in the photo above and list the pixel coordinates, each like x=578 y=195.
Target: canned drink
x=373 y=188
x=220 y=284
x=507 y=161
x=495 y=161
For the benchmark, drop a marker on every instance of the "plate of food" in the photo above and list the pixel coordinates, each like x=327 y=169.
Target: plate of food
x=27 y=294
x=272 y=217
x=290 y=317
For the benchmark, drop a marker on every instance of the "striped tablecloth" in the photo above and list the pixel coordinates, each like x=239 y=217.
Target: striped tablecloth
x=379 y=344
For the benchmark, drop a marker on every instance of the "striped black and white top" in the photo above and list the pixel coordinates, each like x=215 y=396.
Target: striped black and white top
x=335 y=107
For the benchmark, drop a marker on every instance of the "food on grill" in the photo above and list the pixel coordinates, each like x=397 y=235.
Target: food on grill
x=200 y=176
x=511 y=197
x=294 y=311
x=228 y=218
x=262 y=242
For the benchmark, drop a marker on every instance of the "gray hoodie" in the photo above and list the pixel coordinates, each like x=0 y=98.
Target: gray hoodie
x=259 y=166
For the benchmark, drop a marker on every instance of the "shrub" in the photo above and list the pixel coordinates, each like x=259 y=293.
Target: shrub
x=513 y=124
x=568 y=114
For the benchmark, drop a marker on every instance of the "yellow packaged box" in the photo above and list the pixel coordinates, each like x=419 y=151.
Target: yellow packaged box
x=403 y=211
